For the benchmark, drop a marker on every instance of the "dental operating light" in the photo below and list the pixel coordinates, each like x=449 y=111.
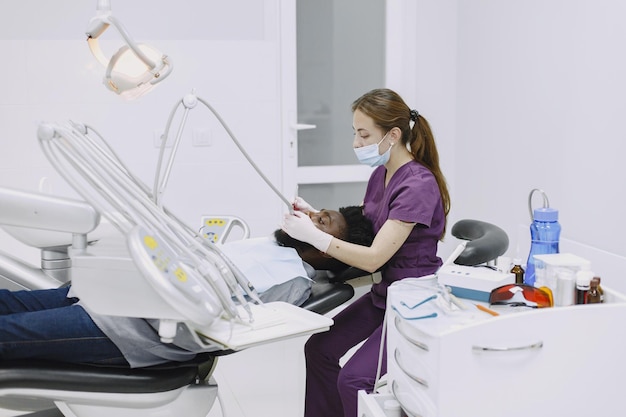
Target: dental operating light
x=134 y=69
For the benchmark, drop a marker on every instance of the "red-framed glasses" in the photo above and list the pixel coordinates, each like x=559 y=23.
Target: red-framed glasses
x=520 y=295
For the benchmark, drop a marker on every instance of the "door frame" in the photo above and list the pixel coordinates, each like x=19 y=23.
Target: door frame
x=292 y=174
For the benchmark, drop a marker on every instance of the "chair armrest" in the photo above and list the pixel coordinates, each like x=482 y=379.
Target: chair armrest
x=327 y=295
x=349 y=274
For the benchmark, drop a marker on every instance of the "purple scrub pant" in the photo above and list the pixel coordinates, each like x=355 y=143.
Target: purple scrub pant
x=331 y=391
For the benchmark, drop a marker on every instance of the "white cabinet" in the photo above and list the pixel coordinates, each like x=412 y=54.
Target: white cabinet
x=562 y=361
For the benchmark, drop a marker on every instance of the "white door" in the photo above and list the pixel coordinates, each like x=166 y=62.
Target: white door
x=334 y=58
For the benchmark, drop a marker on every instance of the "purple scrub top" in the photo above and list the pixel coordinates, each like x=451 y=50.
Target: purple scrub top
x=411 y=196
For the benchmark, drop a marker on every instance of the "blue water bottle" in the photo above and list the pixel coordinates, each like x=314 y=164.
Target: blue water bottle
x=545 y=232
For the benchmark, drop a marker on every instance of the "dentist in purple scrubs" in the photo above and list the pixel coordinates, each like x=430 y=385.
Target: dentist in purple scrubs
x=407 y=201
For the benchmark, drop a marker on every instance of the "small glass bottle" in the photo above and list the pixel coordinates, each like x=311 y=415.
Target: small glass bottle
x=600 y=290
x=593 y=296
x=518 y=271
x=583 y=281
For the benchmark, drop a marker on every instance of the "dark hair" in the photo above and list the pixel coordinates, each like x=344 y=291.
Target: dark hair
x=388 y=110
x=360 y=229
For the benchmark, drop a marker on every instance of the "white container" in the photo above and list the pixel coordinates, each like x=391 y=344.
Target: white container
x=565 y=294
x=547 y=267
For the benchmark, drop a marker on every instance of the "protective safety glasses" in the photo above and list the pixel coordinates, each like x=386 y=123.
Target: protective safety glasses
x=520 y=295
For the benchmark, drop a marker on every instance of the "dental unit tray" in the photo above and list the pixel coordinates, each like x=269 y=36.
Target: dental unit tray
x=157 y=267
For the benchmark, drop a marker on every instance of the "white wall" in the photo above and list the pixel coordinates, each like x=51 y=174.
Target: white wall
x=520 y=95
x=421 y=66
x=538 y=90
x=227 y=51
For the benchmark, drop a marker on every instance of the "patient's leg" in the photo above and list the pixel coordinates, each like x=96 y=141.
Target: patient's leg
x=35 y=300
x=65 y=333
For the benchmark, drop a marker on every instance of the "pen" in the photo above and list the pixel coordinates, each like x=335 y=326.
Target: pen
x=487 y=310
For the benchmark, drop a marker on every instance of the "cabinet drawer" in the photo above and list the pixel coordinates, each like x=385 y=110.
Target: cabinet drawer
x=544 y=355
x=371 y=405
x=415 y=402
x=414 y=354
x=420 y=367
x=421 y=342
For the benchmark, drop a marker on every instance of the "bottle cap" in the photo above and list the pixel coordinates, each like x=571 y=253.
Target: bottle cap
x=584 y=277
x=546 y=214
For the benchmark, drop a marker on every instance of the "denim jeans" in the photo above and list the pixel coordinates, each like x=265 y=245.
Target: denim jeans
x=45 y=324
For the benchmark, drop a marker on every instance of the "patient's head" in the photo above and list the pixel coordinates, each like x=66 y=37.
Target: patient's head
x=347 y=224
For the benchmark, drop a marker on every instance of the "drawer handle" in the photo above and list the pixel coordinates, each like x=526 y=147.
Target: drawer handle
x=398 y=322
x=404 y=407
x=417 y=379
x=537 y=345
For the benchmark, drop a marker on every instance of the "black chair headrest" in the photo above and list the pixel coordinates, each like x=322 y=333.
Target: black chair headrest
x=486 y=241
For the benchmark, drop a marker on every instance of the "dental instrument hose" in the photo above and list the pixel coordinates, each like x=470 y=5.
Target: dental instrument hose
x=245 y=154
x=189 y=102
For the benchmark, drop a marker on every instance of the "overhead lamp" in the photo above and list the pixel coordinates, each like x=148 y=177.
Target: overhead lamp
x=134 y=69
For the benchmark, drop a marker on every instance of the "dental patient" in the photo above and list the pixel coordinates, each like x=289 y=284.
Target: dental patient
x=49 y=324
x=282 y=268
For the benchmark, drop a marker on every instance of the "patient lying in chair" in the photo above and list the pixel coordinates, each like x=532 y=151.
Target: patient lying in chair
x=282 y=268
x=51 y=324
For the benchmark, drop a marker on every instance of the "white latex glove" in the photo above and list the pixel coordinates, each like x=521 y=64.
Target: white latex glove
x=300 y=205
x=300 y=226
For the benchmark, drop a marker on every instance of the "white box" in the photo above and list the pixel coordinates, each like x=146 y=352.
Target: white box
x=547 y=267
x=473 y=282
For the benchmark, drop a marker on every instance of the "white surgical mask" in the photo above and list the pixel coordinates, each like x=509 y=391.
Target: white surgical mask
x=369 y=155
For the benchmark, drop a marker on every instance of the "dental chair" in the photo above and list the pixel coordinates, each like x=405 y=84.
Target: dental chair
x=151 y=265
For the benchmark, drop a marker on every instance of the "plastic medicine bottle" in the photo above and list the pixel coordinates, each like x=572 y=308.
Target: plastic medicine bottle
x=565 y=288
x=545 y=232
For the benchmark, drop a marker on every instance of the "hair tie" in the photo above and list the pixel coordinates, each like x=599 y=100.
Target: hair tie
x=414 y=115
